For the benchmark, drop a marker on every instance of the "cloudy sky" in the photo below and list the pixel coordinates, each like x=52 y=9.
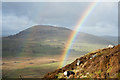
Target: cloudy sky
x=17 y=16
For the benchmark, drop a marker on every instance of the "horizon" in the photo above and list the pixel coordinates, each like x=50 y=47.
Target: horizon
x=59 y=27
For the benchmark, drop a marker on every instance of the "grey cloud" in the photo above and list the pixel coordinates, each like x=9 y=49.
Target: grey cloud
x=61 y=13
x=102 y=28
x=14 y=24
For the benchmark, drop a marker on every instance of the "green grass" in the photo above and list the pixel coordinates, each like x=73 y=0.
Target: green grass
x=40 y=49
x=29 y=49
x=109 y=69
x=55 y=46
x=32 y=71
x=98 y=72
x=87 y=46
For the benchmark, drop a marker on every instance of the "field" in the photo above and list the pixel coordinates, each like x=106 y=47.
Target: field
x=37 y=67
x=29 y=67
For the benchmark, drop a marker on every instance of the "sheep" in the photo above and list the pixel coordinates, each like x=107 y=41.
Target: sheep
x=90 y=57
x=93 y=56
x=78 y=62
x=110 y=46
x=68 y=73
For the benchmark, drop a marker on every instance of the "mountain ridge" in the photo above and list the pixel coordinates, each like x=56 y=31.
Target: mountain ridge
x=42 y=31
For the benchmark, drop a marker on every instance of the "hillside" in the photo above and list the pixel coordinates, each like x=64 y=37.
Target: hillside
x=104 y=65
x=43 y=40
x=112 y=38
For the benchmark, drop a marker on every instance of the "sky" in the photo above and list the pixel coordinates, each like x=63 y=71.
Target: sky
x=17 y=16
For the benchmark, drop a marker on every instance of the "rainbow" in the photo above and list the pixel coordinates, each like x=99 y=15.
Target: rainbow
x=75 y=32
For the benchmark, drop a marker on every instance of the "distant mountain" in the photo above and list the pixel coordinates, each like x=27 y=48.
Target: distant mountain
x=104 y=64
x=41 y=39
x=42 y=32
x=111 y=38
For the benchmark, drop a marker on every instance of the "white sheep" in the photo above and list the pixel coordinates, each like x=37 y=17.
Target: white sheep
x=78 y=62
x=90 y=57
x=65 y=73
x=110 y=46
x=68 y=73
x=93 y=56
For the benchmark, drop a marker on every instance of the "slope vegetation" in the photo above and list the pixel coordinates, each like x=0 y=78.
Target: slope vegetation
x=105 y=64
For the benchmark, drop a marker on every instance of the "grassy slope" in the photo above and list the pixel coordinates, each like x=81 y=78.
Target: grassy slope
x=104 y=65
